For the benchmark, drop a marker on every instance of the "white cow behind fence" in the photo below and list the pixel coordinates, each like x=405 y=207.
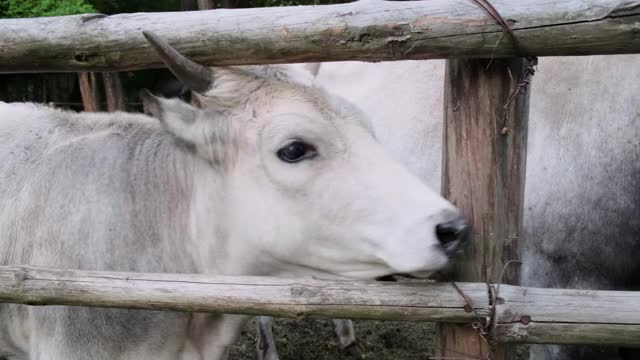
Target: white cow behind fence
x=582 y=196
x=271 y=177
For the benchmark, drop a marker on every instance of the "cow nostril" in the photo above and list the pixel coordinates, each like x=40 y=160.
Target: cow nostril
x=451 y=231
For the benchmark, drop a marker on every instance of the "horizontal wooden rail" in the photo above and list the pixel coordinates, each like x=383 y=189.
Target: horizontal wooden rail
x=370 y=30
x=522 y=314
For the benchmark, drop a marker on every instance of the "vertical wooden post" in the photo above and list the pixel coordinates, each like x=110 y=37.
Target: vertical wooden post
x=484 y=154
x=113 y=91
x=89 y=91
x=205 y=4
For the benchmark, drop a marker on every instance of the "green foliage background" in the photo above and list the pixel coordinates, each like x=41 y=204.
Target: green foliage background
x=37 y=8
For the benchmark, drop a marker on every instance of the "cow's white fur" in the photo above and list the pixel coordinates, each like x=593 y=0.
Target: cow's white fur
x=203 y=192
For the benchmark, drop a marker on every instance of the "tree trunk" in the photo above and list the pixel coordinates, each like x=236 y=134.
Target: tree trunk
x=114 y=92
x=205 y=4
x=89 y=91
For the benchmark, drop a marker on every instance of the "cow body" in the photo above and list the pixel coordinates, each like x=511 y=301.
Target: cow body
x=582 y=193
x=582 y=208
x=81 y=191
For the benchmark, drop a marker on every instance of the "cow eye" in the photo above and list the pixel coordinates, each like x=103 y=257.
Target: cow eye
x=296 y=151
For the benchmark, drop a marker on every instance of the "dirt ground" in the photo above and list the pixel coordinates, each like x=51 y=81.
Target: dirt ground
x=315 y=340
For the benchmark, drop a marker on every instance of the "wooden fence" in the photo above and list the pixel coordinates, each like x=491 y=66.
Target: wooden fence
x=371 y=30
x=483 y=175
x=521 y=314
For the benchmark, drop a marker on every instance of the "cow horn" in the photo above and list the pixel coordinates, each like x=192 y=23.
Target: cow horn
x=194 y=76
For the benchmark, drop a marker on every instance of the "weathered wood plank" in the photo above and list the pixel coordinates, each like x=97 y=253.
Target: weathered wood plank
x=371 y=30
x=578 y=316
x=292 y=298
x=554 y=333
x=484 y=153
x=567 y=316
x=550 y=305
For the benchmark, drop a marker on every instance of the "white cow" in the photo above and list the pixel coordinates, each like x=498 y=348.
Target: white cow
x=405 y=107
x=271 y=177
x=582 y=197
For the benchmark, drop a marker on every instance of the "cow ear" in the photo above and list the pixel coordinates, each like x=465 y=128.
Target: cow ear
x=206 y=131
x=176 y=116
x=150 y=103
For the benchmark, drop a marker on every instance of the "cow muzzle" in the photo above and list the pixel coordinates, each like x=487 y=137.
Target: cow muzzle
x=453 y=235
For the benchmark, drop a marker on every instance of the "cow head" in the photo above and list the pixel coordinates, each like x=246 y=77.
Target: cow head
x=307 y=188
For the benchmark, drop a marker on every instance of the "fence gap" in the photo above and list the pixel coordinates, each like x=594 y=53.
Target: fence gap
x=484 y=154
